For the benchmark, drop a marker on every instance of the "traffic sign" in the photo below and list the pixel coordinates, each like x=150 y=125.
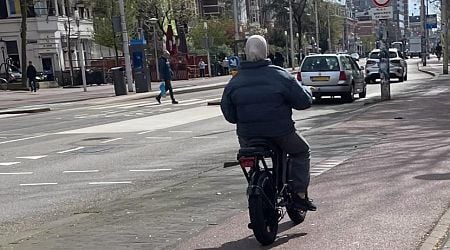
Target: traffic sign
x=381 y=3
x=379 y=13
x=432 y=21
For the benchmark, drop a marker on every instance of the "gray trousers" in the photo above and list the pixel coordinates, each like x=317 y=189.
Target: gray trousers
x=299 y=154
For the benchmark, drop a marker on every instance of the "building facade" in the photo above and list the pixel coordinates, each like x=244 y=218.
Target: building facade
x=54 y=31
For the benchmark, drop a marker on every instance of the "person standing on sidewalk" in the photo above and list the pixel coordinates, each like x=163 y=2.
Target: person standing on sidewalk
x=166 y=73
x=31 y=75
x=202 y=66
x=259 y=100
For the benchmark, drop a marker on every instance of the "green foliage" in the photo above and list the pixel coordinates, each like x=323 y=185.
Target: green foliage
x=220 y=30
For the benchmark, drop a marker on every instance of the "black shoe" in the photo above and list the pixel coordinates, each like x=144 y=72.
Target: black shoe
x=158 y=99
x=303 y=204
x=174 y=102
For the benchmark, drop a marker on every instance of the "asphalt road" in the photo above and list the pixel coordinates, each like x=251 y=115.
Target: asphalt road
x=140 y=175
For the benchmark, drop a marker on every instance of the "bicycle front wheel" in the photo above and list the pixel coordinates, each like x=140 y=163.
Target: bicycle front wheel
x=263 y=214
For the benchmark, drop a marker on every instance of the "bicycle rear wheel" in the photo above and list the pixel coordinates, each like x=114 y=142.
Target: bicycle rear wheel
x=263 y=215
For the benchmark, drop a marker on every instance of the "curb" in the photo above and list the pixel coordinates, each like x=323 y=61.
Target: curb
x=152 y=94
x=24 y=111
x=426 y=71
x=440 y=233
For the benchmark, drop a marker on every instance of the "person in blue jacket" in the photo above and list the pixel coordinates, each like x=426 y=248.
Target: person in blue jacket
x=259 y=100
x=165 y=73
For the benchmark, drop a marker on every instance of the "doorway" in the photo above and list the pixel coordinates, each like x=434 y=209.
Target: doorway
x=47 y=68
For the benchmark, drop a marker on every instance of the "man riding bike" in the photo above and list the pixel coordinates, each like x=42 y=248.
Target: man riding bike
x=259 y=100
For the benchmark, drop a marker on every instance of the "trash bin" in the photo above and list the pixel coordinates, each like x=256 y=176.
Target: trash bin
x=118 y=78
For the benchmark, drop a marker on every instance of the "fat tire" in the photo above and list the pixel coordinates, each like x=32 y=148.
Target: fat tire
x=263 y=218
x=349 y=97
x=363 y=94
x=295 y=215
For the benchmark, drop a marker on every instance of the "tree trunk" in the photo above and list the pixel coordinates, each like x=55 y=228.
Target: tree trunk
x=23 y=37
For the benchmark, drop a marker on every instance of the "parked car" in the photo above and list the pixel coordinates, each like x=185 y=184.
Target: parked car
x=397 y=66
x=333 y=75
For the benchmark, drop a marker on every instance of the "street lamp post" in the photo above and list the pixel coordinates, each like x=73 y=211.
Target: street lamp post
x=317 y=26
x=153 y=21
x=291 y=30
x=205 y=26
x=287 y=48
x=81 y=52
x=126 y=49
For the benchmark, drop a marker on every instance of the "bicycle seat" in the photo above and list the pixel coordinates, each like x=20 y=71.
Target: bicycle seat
x=257 y=147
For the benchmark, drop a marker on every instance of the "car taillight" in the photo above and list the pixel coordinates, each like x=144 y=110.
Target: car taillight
x=342 y=76
x=247 y=162
x=299 y=76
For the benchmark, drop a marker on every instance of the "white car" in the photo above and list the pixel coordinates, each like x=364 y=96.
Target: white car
x=332 y=75
x=397 y=66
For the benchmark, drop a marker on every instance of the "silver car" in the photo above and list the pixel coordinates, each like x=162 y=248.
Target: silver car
x=333 y=75
x=397 y=66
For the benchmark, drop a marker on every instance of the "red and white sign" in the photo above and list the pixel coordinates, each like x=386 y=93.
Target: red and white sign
x=381 y=3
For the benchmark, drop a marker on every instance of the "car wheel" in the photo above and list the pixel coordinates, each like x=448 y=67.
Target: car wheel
x=406 y=77
x=364 y=93
x=349 y=96
x=401 y=79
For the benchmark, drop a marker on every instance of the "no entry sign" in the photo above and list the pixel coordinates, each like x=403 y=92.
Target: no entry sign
x=381 y=3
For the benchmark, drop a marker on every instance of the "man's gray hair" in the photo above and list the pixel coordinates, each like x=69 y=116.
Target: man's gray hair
x=256 y=48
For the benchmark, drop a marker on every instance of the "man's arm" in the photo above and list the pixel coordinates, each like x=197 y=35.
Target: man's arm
x=227 y=107
x=299 y=95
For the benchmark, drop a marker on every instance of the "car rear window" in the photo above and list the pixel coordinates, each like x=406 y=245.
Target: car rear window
x=376 y=55
x=320 y=63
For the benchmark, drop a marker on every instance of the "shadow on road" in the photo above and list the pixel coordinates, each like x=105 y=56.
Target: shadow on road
x=434 y=177
x=251 y=243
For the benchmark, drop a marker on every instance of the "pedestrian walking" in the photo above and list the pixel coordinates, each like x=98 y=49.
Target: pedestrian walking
x=225 y=66
x=31 y=75
x=202 y=66
x=438 y=50
x=166 y=73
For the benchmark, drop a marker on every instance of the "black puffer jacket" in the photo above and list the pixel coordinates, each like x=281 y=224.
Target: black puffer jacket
x=260 y=99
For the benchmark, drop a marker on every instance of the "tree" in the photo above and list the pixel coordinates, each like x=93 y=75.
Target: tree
x=23 y=37
x=220 y=30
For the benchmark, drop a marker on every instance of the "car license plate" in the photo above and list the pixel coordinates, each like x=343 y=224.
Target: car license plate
x=320 y=78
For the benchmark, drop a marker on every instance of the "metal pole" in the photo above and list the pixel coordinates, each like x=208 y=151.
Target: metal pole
x=81 y=59
x=156 y=52
x=205 y=25
x=423 y=24
x=384 y=62
x=291 y=30
x=287 y=49
x=444 y=30
x=317 y=26
x=236 y=27
x=329 y=30
x=126 y=51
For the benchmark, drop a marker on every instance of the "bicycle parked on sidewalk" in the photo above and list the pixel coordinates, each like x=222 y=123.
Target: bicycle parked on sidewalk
x=268 y=188
x=3 y=84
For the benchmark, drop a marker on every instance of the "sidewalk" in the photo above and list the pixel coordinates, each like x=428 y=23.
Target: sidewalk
x=434 y=67
x=391 y=195
x=103 y=93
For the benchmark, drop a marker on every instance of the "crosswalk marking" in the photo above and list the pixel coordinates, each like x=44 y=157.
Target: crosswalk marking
x=161 y=121
x=16 y=173
x=325 y=165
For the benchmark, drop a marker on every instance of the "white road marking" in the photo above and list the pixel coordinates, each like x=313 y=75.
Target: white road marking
x=436 y=91
x=155 y=122
x=204 y=137
x=16 y=173
x=9 y=163
x=9 y=115
x=150 y=170
x=70 y=150
x=34 y=157
x=180 y=131
x=39 y=184
x=158 y=137
x=145 y=132
x=197 y=102
x=23 y=139
x=111 y=140
x=109 y=182
x=80 y=171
